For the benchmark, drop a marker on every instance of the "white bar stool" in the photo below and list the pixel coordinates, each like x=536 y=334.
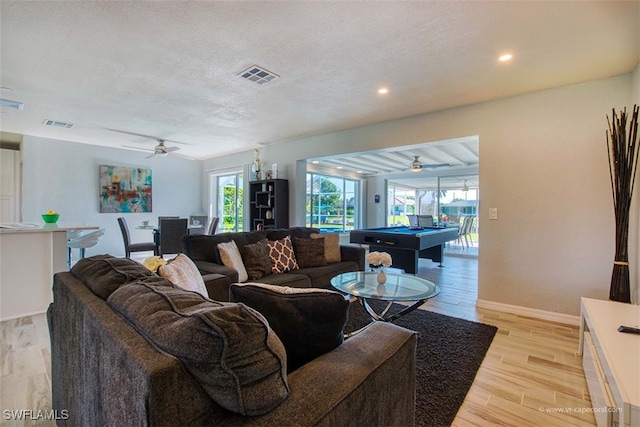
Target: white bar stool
x=77 y=240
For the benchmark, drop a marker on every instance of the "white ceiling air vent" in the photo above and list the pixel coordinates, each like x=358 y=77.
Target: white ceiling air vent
x=258 y=75
x=58 y=124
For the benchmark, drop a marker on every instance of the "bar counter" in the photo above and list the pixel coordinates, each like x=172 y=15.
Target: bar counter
x=30 y=254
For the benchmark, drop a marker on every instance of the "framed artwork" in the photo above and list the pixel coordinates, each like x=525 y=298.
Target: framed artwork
x=124 y=189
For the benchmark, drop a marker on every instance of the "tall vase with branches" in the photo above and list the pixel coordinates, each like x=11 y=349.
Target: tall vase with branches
x=623 y=152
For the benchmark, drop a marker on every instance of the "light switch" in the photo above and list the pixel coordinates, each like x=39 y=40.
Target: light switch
x=493 y=213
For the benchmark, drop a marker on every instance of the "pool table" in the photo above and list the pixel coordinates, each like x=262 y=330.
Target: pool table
x=407 y=246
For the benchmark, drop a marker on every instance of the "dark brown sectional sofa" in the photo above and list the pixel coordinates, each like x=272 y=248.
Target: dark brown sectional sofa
x=202 y=249
x=130 y=349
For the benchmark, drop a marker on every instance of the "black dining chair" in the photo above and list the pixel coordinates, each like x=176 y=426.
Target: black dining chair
x=425 y=220
x=213 y=225
x=171 y=233
x=198 y=224
x=134 y=247
x=160 y=218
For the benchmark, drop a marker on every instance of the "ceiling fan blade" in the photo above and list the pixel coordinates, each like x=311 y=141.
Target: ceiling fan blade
x=170 y=149
x=154 y=138
x=150 y=156
x=137 y=148
x=131 y=133
x=436 y=165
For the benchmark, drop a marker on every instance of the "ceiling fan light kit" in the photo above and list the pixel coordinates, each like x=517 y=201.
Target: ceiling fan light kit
x=416 y=166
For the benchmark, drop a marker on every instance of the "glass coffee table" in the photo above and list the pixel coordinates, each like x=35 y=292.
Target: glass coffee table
x=399 y=287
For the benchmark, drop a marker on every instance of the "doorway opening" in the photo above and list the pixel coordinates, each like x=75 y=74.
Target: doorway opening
x=451 y=200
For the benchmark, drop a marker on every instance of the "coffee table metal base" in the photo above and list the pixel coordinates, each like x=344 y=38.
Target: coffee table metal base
x=382 y=317
x=398 y=287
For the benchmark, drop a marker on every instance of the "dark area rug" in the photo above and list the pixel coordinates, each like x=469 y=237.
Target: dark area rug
x=449 y=353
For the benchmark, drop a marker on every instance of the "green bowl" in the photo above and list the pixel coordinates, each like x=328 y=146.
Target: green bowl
x=50 y=218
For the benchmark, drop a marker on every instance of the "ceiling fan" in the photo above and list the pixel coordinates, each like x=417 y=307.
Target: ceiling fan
x=158 y=150
x=417 y=166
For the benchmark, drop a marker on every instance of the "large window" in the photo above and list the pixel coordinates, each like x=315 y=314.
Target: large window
x=331 y=202
x=230 y=202
x=401 y=201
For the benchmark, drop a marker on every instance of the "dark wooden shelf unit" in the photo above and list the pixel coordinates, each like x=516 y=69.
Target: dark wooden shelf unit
x=269 y=203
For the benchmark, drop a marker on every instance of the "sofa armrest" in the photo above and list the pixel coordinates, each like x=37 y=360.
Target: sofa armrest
x=353 y=253
x=369 y=379
x=105 y=373
x=207 y=267
x=217 y=286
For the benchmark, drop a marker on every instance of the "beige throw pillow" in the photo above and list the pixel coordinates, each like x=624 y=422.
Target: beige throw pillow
x=331 y=246
x=230 y=255
x=182 y=272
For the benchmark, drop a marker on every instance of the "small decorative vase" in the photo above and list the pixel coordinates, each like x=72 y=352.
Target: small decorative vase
x=382 y=277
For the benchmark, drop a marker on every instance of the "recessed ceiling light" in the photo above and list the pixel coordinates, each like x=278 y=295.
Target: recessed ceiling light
x=383 y=91
x=315 y=162
x=339 y=167
x=359 y=171
x=506 y=57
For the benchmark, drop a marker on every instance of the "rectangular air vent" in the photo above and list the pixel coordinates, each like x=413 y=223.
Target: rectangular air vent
x=258 y=75
x=58 y=124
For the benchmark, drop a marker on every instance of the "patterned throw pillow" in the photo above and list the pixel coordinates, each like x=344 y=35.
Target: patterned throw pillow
x=256 y=259
x=182 y=272
x=331 y=246
x=282 y=256
x=230 y=256
x=309 y=252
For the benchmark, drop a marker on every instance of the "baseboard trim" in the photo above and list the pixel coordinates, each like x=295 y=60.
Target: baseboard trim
x=529 y=312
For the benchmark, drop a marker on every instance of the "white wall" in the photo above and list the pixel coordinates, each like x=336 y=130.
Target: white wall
x=63 y=176
x=543 y=164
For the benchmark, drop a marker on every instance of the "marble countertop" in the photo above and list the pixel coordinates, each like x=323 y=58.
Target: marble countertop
x=32 y=227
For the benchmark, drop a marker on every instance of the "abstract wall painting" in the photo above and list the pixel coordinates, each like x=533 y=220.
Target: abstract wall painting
x=125 y=189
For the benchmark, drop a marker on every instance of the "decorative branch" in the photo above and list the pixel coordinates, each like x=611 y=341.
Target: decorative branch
x=623 y=156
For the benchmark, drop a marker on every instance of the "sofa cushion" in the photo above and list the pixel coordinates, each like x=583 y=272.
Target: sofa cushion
x=182 y=272
x=282 y=256
x=321 y=276
x=308 y=321
x=331 y=246
x=300 y=232
x=309 y=252
x=231 y=257
x=228 y=348
x=256 y=259
x=103 y=274
x=204 y=247
x=290 y=278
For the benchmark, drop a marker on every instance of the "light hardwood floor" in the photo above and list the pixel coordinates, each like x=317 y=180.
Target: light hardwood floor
x=531 y=375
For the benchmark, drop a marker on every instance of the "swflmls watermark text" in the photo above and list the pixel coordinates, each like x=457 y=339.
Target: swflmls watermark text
x=35 y=415
x=577 y=410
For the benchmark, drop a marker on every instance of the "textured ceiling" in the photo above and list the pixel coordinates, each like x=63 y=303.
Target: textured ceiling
x=169 y=69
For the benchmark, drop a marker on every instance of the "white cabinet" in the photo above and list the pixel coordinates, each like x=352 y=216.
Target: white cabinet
x=9 y=185
x=611 y=361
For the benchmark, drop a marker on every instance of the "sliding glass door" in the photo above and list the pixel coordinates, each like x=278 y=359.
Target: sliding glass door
x=453 y=200
x=230 y=208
